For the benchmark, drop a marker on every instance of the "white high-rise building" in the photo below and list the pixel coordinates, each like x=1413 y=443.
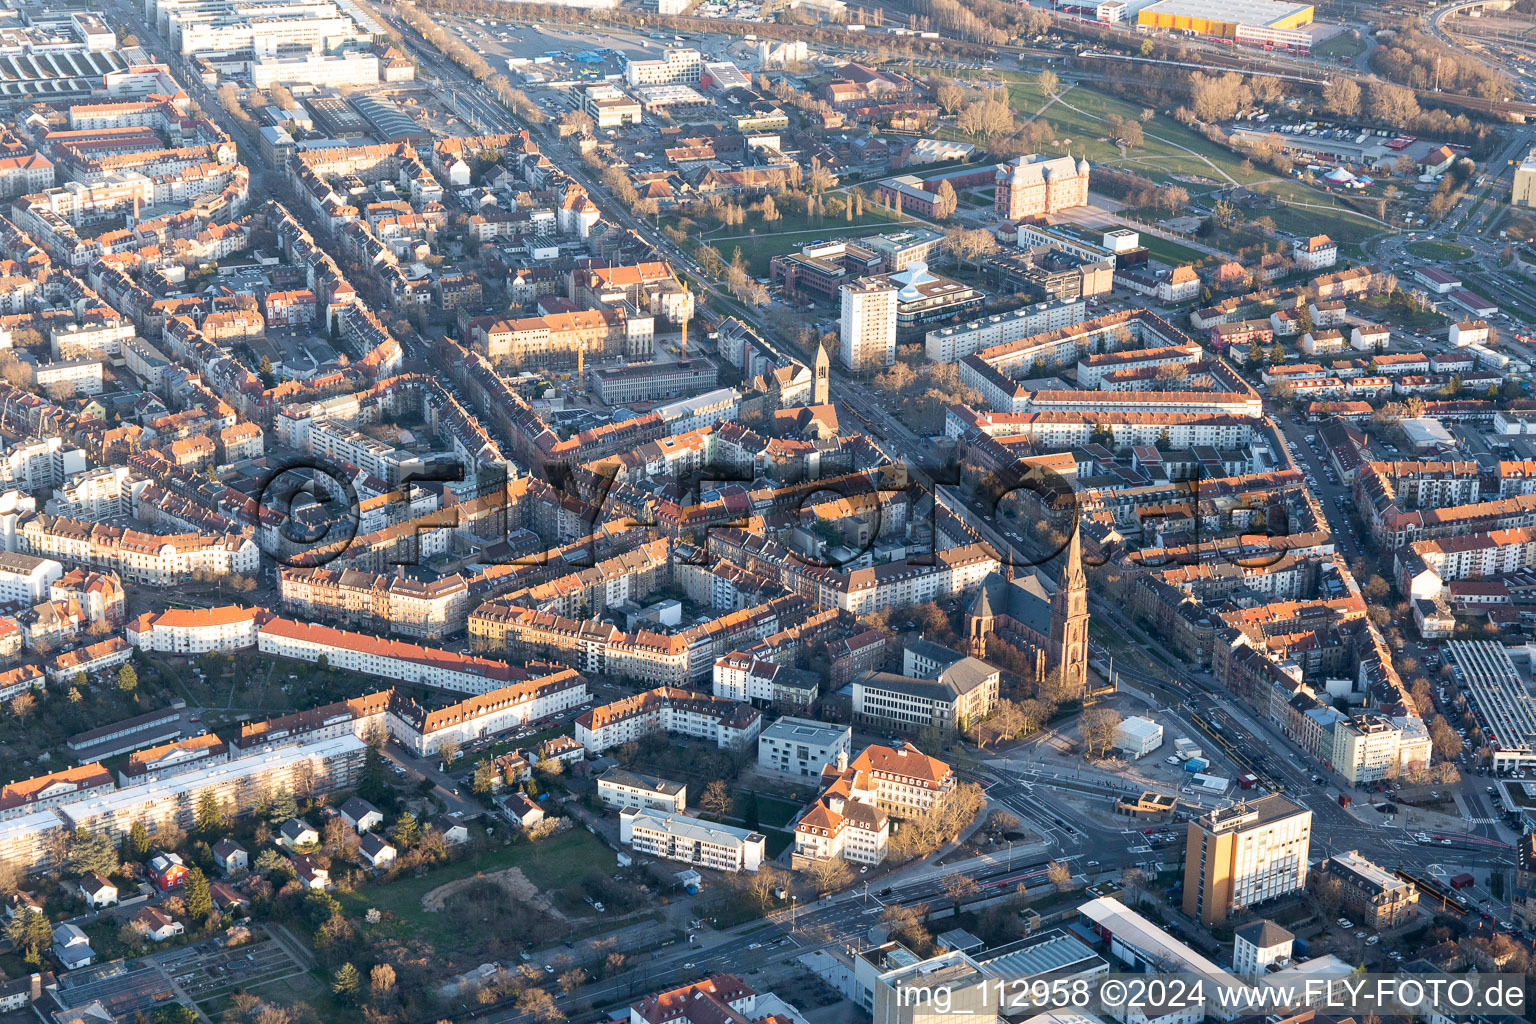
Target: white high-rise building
x=867 y=335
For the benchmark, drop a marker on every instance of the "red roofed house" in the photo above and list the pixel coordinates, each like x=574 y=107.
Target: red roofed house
x=155 y=924
x=845 y=821
x=719 y=999
x=1438 y=161
x=905 y=781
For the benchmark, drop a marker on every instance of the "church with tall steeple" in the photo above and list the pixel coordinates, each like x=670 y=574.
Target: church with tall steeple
x=1045 y=618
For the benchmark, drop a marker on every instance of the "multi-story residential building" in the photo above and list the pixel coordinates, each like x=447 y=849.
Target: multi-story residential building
x=1465 y=333
x=676 y=66
x=906 y=782
x=802 y=747
x=431 y=609
x=21 y=175
x=1243 y=855
x=846 y=821
x=25 y=579
x=1316 y=253
x=304 y=769
x=609 y=107
x=389 y=659
x=43 y=463
x=1523 y=191
x=668 y=709
x=867 y=325
x=31 y=843
x=1522 y=903
x=1368 y=748
x=951 y=344
x=1369 y=894
x=20 y=679
x=91 y=660
x=718 y=998
x=619 y=789
x=174 y=758
x=68 y=377
x=472 y=721
x=153 y=559
x=44 y=792
x=102 y=493
x=744 y=677
x=1258 y=944
x=692 y=841
x=193 y=631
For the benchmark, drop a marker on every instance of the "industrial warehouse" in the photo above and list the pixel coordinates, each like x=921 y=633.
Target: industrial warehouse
x=1271 y=24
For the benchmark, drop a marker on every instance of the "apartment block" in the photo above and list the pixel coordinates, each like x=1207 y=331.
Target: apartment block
x=1240 y=856
x=192 y=631
x=867 y=324
x=619 y=789
x=699 y=843
x=306 y=769
x=802 y=747
x=24 y=579
x=380 y=602
x=668 y=709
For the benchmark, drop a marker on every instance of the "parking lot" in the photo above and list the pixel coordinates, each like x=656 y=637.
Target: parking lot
x=204 y=969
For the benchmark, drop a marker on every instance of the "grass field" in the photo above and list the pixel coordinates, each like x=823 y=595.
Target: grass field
x=1344 y=44
x=1316 y=213
x=1169 y=150
x=1430 y=249
x=550 y=865
x=1399 y=313
x=1171 y=252
x=1174 y=153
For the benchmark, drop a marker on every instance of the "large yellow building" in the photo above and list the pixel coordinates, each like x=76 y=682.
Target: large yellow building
x=1267 y=23
x=1524 y=193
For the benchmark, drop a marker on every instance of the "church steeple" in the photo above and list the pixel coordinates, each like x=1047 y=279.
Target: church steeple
x=821 y=375
x=1069 y=618
x=1072 y=574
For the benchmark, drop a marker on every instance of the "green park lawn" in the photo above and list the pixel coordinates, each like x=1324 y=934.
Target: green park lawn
x=1431 y=249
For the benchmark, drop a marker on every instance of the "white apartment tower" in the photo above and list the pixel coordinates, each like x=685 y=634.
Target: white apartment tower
x=867 y=335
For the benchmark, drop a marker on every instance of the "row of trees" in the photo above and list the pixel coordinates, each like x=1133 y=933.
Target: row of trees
x=925 y=392
x=1136 y=191
x=984 y=21
x=1413 y=58
x=1380 y=101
